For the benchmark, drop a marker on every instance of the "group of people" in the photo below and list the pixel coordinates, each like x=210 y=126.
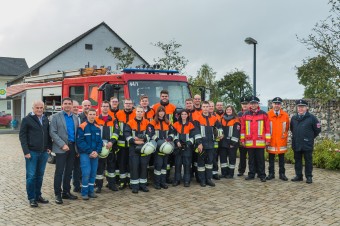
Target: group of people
x=122 y=145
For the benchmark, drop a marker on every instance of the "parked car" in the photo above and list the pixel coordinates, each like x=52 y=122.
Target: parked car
x=5 y=120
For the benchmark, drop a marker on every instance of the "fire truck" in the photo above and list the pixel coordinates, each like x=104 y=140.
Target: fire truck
x=98 y=85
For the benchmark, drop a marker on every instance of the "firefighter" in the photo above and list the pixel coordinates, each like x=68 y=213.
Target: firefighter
x=279 y=127
x=170 y=110
x=149 y=112
x=160 y=130
x=243 y=151
x=109 y=132
x=219 y=109
x=205 y=140
x=189 y=106
x=135 y=133
x=114 y=106
x=305 y=128
x=89 y=145
x=184 y=132
x=123 y=116
x=229 y=144
x=215 y=174
x=255 y=136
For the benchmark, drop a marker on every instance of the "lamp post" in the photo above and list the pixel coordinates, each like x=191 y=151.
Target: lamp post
x=250 y=41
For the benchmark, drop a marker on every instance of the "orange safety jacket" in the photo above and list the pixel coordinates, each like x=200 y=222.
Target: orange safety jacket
x=113 y=113
x=123 y=117
x=205 y=126
x=161 y=130
x=134 y=128
x=169 y=110
x=231 y=130
x=184 y=132
x=279 y=127
x=149 y=114
x=255 y=129
x=109 y=129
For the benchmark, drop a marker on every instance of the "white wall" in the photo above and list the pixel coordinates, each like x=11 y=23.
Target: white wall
x=77 y=56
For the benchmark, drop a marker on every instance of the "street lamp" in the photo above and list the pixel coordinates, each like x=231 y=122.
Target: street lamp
x=250 y=41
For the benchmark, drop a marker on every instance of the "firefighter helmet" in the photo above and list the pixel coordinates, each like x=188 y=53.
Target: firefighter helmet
x=104 y=153
x=167 y=147
x=149 y=147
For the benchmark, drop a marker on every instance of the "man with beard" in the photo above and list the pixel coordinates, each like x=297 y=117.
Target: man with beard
x=114 y=106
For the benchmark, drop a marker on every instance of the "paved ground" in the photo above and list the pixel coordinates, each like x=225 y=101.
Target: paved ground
x=231 y=202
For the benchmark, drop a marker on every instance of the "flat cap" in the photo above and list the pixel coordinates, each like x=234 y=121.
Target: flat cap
x=301 y=102
x=277 y=100
x=254 y=99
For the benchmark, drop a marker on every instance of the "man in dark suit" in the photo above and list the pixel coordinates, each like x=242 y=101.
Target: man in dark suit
x=63 y=129
x=36 y=144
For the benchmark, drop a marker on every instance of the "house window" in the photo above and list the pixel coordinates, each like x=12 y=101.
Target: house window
x=88 y=46
x=9 y=105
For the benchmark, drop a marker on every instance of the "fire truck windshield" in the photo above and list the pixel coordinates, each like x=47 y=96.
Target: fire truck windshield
x=178 y=91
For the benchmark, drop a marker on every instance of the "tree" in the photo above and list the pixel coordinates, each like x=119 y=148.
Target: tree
x=233 y=86
x=172 y=58
x=205 y=78
x=325 y=38
x=320 y=78
x=124 y=55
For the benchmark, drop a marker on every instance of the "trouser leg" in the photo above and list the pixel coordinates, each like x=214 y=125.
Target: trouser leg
x=215 y=161
x=76 y=173
x=271 y=167
x=158 y=161
x=164 y=169
x=251 y=162
x=282 y=169
x=209 y=163
x=100 y=173
x=243 y=160
x=224 y=163
x=134 y=169
x=232 y=160
x=298 y=163
x=308 y=156
x=178 y=165
x=259 y=157
x=143 y=170
x=59 y=172
x=111 y=169
x=93 y=172
x=70 y=155
x=85 y=170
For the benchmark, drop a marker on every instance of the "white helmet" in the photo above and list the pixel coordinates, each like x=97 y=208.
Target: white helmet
x=105 y=152
x=167 y=147
x=149 y=147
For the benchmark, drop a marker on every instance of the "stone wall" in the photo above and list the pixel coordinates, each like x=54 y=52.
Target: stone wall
x=328 y=114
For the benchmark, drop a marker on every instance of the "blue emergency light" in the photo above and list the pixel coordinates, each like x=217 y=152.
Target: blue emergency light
x=148 y=71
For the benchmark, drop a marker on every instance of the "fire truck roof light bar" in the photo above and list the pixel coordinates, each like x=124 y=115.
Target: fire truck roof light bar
x=150 y=71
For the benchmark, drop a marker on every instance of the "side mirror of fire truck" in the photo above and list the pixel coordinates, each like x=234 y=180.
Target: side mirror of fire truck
x=205 y=93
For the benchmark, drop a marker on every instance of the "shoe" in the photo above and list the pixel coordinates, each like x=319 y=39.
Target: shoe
x=186 y=184
x=249 y=178
x=58 y=199
x=40 y=199
x=164 y=186
x=297 y=178
x=263 y=179
x=93 y=195
x=210 y=183
x=270 y=176
x=216 y=177
x=122 y=186
x=229 y=176
x=240 y=174
x=176 y=183
x=85 y=197
x=203 y=184
x=98 y=190
x=69 y=196
x=33 y=203
x=134 y=190
x=113 y=187
x=168 y=180
x=309 y=180
x=144 y=189
x=157 y=187
x=283 y=177
x=78 y=190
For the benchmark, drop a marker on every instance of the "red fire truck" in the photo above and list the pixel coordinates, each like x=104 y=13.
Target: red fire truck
x=97 y=85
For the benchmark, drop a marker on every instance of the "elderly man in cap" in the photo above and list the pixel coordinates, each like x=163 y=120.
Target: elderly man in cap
x=305 y=127
x=279 y=127
x=255 y=136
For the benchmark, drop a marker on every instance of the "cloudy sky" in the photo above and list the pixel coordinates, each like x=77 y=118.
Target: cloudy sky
x=211 y=31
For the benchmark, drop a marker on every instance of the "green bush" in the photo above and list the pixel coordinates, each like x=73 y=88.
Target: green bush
x=326 y=155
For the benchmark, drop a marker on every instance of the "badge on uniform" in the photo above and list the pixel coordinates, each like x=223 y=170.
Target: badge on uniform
x=318 y=125
x=149 y=128
x=117 y=126
x=238 y=127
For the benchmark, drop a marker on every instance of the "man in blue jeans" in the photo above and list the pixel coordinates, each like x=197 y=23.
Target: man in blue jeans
x=89 y=144
x=36 y=144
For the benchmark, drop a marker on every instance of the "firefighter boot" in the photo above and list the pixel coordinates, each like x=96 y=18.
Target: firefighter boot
x=99 y=184
x=230 y=174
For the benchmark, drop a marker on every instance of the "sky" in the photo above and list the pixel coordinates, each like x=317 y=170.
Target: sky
x=211 y=32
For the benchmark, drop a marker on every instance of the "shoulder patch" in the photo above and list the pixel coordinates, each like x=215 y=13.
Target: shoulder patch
x=83 y=125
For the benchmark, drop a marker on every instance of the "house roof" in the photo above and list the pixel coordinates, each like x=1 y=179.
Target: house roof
x=65 y=47
x=12 y=66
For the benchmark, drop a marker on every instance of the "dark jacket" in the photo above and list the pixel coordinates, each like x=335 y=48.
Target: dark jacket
x=89 y=138
x=304 y=131
x=34 y=136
